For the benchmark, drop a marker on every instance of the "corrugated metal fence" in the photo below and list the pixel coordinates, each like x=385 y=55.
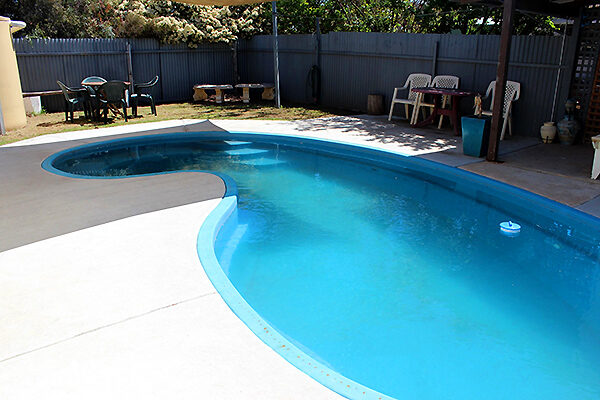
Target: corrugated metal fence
x=353 y=65
x=43 y=62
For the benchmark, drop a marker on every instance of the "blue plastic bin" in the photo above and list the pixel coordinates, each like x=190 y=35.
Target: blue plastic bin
x=475 y=135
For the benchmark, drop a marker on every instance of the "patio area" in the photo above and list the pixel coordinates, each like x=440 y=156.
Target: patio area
x=102 y=290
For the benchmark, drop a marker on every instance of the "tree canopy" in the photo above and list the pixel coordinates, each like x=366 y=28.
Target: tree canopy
x=172 y=22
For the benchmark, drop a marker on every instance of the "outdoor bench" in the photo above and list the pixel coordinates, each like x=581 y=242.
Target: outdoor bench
x=200 y=92
x=267 y=94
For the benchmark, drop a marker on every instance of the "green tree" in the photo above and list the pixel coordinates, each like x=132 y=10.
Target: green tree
x=413 y=16
x=173 y=22
x=443 y=16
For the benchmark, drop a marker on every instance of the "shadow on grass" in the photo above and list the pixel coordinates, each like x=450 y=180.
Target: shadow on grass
x=81 y=121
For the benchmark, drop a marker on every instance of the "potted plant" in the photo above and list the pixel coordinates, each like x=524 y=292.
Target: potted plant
x=476 y=132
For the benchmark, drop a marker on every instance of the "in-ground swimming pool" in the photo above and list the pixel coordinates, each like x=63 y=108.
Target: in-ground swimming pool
x=381 y=275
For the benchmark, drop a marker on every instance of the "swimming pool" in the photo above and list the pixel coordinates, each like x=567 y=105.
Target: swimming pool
x=382 y=275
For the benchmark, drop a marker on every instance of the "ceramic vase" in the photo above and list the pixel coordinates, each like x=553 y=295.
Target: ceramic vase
x=567 y=131
x=548 y=132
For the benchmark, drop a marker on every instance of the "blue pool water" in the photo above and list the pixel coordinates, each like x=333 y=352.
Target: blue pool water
x=393 y=272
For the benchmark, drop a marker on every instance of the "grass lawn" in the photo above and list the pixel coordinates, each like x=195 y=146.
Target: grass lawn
x=44 y=124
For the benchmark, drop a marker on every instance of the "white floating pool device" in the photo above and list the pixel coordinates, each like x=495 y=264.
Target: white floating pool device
x=510 y=228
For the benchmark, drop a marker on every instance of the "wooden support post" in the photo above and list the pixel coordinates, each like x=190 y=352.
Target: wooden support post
x=503 y=59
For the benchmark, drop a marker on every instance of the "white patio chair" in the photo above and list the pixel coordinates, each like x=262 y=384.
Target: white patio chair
x=511 y=94
x=440 y=81
x=413 y=80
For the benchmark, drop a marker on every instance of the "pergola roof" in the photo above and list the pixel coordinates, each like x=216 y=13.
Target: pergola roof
x=555 y=8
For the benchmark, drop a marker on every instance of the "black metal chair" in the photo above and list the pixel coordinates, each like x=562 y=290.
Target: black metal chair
x=112 y=93
x=73 y=96
x=134 y=98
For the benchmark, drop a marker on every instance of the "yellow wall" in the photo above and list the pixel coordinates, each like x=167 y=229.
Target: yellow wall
x=11 y=96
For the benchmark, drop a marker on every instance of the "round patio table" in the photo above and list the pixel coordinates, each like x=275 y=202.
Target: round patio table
x=97 y=84
x=453 y=112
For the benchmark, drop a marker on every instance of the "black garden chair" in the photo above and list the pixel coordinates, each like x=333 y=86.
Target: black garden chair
x=134 y=98
x=73 y=97
x=112 y=95
x=92 y=102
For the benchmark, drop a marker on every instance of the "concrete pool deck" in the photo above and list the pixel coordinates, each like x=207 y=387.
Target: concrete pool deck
x=101 y=290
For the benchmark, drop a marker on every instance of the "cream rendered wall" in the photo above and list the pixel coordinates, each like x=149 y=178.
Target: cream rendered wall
x=11 y=96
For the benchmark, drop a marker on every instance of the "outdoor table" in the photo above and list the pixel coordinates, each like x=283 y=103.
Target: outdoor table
x=96 y=85
x=453 y=112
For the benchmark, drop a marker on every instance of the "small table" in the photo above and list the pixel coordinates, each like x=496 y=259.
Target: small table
x=453 y=112
x=200 y=92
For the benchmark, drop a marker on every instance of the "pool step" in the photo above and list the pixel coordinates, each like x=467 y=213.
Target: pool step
x=247 y=152
x=235 y=143
x=224 y=144
x=263 y=162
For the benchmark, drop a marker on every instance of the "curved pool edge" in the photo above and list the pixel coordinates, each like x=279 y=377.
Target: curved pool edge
x=228 y=205
x=261 y=328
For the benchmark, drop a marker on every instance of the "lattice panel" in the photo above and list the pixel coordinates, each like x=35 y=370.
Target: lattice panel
x=585 y=84
x=592 y=121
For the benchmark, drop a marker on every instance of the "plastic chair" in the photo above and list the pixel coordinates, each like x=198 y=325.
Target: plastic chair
x=134 y=98
x=511 y=94
x=440 y=81
x=92 y=103
x=72 y=98
x=413 y=80
x=112 y=93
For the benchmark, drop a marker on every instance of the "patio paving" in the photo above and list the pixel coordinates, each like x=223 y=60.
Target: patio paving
x=60 y=205
x=107 y=298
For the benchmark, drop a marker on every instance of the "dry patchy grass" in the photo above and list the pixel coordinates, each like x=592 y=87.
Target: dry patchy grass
x=44 y=124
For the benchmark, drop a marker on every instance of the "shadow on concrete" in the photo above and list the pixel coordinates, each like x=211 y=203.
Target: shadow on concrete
x=378 y=129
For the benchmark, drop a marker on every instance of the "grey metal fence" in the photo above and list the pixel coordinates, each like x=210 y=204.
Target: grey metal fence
x=43 y=62
x=354 y=65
